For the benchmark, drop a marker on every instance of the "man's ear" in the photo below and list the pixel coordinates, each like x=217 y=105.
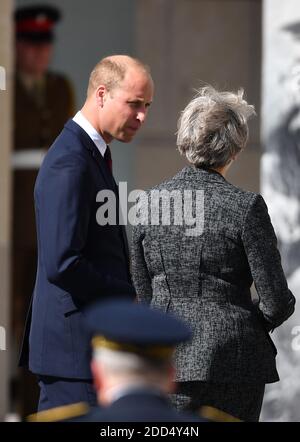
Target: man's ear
x=101 y=92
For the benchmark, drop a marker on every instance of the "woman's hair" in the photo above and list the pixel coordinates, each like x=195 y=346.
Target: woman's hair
x=213 y=127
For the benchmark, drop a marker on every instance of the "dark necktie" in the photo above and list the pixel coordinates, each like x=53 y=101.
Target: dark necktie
x=107 y=157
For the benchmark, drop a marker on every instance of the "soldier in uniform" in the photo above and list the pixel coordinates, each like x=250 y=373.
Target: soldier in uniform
x=43 y=102
x=131 y=365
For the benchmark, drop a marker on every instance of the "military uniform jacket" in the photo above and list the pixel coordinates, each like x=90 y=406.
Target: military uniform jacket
x=206 y=280
x=36 y=125
x=139 y=406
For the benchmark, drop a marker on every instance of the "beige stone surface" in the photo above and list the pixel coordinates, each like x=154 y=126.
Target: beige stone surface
x=188 y=43
x=245 y=172
x=156 y=162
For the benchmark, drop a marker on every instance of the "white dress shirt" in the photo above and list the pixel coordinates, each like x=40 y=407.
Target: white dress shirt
x=91 y=131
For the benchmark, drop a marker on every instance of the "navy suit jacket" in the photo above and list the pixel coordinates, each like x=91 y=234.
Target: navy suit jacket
x=79 y=261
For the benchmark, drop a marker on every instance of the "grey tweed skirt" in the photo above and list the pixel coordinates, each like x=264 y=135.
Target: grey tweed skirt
x=243 y=401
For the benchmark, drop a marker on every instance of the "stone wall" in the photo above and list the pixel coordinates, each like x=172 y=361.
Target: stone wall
x=188 y=43
x=280 y=177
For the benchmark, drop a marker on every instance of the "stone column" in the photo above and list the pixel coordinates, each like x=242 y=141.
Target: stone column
x=280 y=181
x=6 y=59
x=188 y=43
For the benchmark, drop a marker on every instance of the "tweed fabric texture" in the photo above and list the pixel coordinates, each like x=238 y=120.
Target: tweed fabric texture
x=205 y=280
x=241 y=400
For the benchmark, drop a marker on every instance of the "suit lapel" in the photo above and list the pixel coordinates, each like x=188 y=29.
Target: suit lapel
x=94 y=151
x=104 y=169
x=124 y=236
x=113 y=185
x=107 y=176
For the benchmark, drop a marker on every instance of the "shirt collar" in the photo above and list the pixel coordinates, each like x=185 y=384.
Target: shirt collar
x=80 y=119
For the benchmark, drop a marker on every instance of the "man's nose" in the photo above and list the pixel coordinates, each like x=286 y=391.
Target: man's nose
x=141 y=116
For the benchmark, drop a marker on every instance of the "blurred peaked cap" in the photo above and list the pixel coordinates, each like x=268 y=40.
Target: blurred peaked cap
x=36 y=23
x=125 y=326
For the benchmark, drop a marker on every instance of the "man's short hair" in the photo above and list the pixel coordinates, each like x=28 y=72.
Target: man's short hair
x=110 y=71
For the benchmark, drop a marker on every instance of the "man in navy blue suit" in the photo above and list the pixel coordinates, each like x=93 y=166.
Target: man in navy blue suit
x=80 y=261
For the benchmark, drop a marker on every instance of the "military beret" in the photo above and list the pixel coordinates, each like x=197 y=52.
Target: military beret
x=36 y=23
x=136 y=328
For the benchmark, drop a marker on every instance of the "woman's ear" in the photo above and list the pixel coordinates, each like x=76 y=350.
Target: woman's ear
x=235 y=156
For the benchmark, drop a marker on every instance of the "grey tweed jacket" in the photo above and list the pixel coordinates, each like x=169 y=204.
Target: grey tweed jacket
x=206 y=280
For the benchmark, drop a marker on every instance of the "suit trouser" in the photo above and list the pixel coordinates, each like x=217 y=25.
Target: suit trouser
x=55 y=392
x=241 y=400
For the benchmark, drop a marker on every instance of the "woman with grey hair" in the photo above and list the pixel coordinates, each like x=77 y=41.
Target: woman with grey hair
x=204 y=274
